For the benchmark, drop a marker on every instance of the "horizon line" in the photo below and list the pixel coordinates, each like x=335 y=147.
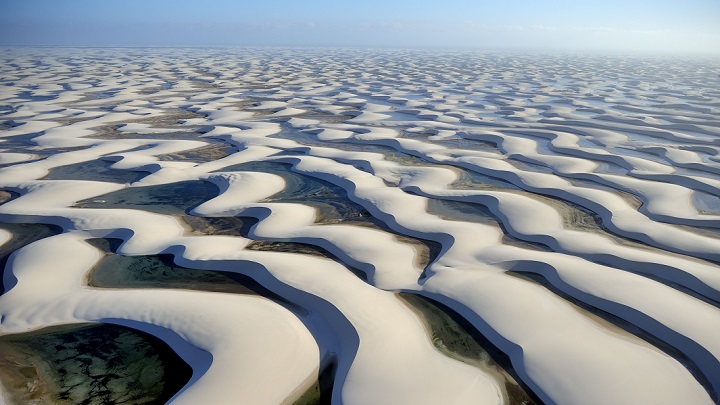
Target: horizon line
x=499 y=49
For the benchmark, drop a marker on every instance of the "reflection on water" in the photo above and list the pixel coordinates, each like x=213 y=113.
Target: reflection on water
x=461 y=211
x=169 y=199
x=706 y=203
x=468 y=144
x=90 y=364
x=26 y=144
x=159 y=271
x=95 y=170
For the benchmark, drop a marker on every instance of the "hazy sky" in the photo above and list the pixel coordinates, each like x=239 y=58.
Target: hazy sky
x=687 y=26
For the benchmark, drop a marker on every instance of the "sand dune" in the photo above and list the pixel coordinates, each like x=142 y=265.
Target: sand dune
x=567 y=215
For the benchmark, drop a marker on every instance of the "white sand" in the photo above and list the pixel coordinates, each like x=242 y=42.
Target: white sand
x=411 y=132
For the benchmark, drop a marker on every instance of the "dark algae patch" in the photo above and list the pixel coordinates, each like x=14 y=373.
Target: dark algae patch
x=89 y=364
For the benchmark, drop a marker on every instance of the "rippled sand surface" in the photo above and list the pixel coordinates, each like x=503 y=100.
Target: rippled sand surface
x=363 y=226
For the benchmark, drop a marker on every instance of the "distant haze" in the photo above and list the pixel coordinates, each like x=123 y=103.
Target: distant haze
x=659 y=26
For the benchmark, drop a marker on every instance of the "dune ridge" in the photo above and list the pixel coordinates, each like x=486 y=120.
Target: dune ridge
x=594 y=176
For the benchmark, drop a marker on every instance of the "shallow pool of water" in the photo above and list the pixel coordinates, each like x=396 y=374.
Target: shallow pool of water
x=90 y=364
x=170 y=199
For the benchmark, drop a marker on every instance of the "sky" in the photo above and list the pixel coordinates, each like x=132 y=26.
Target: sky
x=647 y=26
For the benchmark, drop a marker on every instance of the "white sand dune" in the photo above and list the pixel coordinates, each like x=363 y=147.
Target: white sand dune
x=569 y=215
x=225 y=330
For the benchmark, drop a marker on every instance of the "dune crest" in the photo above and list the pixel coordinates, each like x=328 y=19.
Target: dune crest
x=564 y=210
